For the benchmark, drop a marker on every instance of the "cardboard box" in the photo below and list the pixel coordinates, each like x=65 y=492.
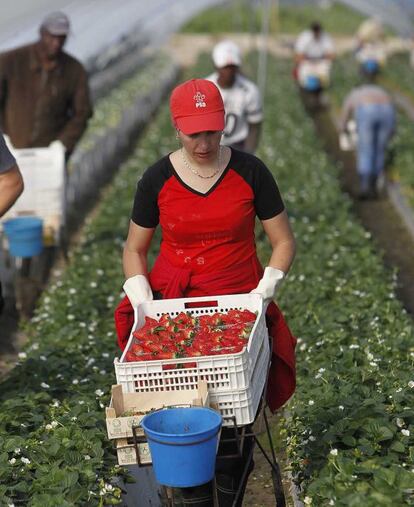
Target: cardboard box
x=119 y=426
x=127 y=455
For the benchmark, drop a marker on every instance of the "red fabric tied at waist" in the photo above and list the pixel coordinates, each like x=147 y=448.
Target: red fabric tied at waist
x=175 y=282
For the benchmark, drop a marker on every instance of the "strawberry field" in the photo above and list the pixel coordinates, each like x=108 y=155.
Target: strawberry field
x=349 y=428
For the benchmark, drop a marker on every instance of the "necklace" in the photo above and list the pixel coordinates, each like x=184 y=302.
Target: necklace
x=194 y=171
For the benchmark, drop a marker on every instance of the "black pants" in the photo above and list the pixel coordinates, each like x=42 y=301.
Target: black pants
x=229 y=472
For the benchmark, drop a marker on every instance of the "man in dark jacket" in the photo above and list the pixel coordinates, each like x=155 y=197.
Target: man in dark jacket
x=44 y=95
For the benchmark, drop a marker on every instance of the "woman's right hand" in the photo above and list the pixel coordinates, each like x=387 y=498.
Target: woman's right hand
x=138 y=290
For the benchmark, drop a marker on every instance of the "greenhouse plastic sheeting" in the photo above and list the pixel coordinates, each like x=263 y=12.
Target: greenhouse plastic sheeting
x=90 y=169
x=122 y=25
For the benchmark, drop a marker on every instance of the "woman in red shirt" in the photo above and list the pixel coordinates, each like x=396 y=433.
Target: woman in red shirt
x=206 y=197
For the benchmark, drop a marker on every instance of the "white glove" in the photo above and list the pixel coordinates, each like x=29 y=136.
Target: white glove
x=57 y=145
x=138 y=290
x=7 y=140
x=272 y=277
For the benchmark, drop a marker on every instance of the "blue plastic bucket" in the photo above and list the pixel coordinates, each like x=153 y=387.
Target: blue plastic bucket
x=312 y=83
x=183 y=444
x=25 y=236
x=370 y=66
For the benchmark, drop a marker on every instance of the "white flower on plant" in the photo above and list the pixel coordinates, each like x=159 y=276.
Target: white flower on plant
x=10 y=505
x=311 y=402
x=370 y=357
x=72 y=290
x=312 y=438
x=331 y=502
x=82 y=324
x=44 y=385
x=105 y=354
x=334 y=452
x=341 y=407
x=87 y=457
x=99 y=392
x=17 y=450
x=24 y=460
x=93 y=285
x=100 y=272
x=354 y=346
x=70 y=317
x=307 y=500
x=75 y=381
x=12 y=461
x=400 y=422
x=373 y=364
x=102 y=372
x=321 y=370
x=411 y=383
x=101 y=404
x=22 y=355
x=74 y=418
x=81 y=402
x=398 y=390
x=56 y=403
x=43 y=358
x=406 y=433
x=34 y=346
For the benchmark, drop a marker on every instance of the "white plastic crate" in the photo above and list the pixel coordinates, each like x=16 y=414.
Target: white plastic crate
x=43 y=171
x=243 y=403
x=222 y=372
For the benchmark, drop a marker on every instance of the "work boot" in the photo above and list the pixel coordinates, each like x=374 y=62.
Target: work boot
x=373 y=194
x=364 y=188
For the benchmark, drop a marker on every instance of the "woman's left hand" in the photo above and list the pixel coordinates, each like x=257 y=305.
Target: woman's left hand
x=272 y=277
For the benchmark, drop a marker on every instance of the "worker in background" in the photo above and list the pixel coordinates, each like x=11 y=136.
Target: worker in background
x=314 y=52
x=374 y=113
x=11 y=186
x=370 y=49
x=44 y=94
x=241 y=97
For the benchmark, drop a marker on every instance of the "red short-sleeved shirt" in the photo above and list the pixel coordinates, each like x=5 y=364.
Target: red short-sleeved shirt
x=211 y=231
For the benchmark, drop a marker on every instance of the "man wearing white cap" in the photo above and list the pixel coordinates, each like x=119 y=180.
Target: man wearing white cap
x=44 y=94
x=241 y=97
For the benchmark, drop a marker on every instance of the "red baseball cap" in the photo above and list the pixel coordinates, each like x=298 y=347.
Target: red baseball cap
x=197 y=106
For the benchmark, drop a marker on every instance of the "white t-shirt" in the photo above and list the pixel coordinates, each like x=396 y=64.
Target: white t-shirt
x=243 y=105
x=311 y=47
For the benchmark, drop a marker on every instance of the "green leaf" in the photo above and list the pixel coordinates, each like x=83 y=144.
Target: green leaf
x=398 y=447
